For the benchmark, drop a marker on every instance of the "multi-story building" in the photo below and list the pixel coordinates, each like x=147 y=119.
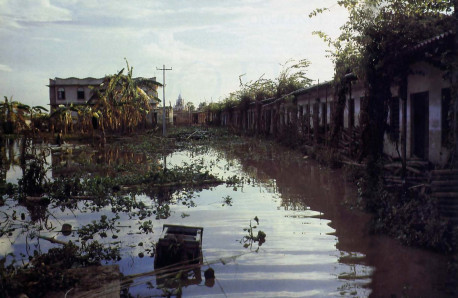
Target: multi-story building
x=71 y=91
x=81 y=91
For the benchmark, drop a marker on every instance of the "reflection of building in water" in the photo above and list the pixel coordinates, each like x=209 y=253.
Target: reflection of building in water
x=4 y=164
x=68 y=160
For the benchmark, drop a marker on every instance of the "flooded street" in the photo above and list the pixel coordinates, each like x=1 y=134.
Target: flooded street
x=316 y=245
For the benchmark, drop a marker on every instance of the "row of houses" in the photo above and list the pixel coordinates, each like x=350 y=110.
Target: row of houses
x=419 y=123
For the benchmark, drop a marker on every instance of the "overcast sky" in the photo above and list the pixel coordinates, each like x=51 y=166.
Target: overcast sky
x=208 y=43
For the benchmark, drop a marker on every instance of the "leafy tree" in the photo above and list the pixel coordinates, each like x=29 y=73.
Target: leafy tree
x=372 y=45
x=190 y=107
x=202 y=106
x=292 y=77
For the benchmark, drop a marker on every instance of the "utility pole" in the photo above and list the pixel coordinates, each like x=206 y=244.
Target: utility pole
x=163 y=98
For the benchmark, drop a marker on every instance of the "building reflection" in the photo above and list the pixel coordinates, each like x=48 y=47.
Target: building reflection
x=105 y=161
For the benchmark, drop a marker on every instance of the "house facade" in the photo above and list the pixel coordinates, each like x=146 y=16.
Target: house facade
x=76 y=91
x=71 y=91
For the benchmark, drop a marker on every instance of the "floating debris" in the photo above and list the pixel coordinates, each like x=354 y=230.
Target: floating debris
x=179 y=245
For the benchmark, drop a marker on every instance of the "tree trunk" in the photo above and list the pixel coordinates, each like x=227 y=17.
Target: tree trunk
x=338 y=113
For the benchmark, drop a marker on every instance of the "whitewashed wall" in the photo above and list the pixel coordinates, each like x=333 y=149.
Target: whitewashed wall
x=425 y=77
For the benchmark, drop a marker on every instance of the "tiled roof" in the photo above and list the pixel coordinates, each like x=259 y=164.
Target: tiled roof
x=432 y=40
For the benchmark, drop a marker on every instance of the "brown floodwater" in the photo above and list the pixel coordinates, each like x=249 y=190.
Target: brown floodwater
x=316 y=244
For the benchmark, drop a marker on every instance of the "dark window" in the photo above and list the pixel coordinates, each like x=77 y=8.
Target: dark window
x=351 y=113
x=61 y=93
x=316 y=113
x=394 y=118
x=80 y=94
x=445 y=111
x=307 y=115
x=324 y=112
x=419 y=116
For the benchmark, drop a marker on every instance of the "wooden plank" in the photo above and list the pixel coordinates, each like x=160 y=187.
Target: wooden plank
x=421 y=163
x=393 y=165
x=93 y=281
x=445 y=171
x=53 y=240
x=445 y=194
x=413 y=170
x=444 y=182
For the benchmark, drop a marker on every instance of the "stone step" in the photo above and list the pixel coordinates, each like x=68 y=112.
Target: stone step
x=443 y=205
x=446 y=205
x=445 y=172
x=444 y=182
x=441 y=175
x=441 y=195
x=444 y=188
x=450 y=215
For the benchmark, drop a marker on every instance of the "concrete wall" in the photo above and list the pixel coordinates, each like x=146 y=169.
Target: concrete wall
x=426 y=78
x=307 y=101
x=182 y=117
x=357 y=94
x=71 y=86
x=71 y=94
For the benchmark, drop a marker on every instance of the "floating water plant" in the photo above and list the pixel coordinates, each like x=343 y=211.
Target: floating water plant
x=249 y=239
x=227 y=200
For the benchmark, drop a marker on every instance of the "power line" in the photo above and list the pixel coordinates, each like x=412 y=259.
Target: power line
x=164 y=132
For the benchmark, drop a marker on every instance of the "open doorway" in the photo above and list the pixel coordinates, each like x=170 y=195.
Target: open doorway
x=420 y=124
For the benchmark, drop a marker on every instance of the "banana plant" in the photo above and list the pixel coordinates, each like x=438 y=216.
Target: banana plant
x=34 y=112
x=8 y=115
x=63 y=117
x=123 y=104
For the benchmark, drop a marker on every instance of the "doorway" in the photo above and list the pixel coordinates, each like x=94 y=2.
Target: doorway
x=420 y=124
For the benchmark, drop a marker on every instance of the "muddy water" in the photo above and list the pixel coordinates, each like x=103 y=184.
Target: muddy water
x=316 y=245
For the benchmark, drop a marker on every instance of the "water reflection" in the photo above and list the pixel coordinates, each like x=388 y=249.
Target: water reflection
x=71 y=159
x=315 y=246
x=314 y=198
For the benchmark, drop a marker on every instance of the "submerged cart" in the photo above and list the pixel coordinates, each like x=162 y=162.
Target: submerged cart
x=179 y=245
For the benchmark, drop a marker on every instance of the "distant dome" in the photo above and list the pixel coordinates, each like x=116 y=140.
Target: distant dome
x=179 y=105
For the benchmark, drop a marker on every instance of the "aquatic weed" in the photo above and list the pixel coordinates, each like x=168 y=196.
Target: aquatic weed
x=227 y=200
x=101 y=227
x=250 y=238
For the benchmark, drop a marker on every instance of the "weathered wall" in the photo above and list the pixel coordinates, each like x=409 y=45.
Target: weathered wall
x=312 y=103
x=426 y=78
